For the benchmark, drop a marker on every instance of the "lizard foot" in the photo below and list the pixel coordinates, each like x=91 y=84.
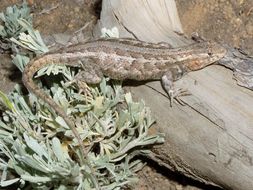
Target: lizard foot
x=175 y=95
x=82 y=86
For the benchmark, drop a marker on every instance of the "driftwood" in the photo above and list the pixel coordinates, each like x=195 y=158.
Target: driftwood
x=210 y=139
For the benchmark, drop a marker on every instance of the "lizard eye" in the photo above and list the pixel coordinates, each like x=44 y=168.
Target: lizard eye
x=210 y=53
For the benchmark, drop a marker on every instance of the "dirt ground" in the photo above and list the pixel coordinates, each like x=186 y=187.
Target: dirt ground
x=226 y=21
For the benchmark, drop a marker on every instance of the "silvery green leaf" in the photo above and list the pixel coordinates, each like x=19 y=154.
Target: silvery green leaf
x=31 y=162
x=2 y=17
x=107 y=148
x=19 y=148
x=74 y=168
x=35 y=146
x=59 y=97
x=20 y=61
x=4 y=133
x=54 y=69
x=4 y=174
x=62 y=187
x=5 y=129
x=58 y=151
x=36 y=179
x=150 y=140
x=5 y=150
x=10 y=19
x=113 y=32
x=117 y=157
x=62 y=170
x=128 y=98
x=85 y=184
x=3 y=164
x=8 y=182
x=83 y=108
x=103 y=86
x=21 y=106
x=17 y=167
x=42 y=161
x=61 y=122
x=2 y=32
x=31 y=41
x=34 y=33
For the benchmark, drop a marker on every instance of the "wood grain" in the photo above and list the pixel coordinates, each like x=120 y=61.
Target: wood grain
x=210 y=139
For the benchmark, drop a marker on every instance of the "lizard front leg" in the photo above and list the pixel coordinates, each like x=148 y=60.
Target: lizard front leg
x=168 y=85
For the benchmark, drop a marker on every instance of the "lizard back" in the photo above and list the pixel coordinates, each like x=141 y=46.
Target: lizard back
x=132 y=59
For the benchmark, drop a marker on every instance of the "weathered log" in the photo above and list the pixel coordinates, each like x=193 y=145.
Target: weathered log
x=210 y=139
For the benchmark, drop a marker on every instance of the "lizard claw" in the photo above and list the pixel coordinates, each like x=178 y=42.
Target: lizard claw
x=81 y=86
x=175 y=95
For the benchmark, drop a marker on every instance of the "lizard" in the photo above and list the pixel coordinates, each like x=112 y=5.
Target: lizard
x=123 y=59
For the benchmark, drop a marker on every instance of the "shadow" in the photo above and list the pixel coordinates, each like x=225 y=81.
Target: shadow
x=97 y=8
x=177 y=177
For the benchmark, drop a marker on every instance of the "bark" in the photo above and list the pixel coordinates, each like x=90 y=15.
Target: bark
x=210 y=139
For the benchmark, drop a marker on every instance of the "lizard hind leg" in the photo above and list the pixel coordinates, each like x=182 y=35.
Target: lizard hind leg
x=83 y=78
x=91 y=74
x=173 y=93
x=89 y=77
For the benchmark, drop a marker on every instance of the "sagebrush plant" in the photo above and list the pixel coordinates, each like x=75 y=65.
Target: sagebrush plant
x=37 y=148
x=10 y=19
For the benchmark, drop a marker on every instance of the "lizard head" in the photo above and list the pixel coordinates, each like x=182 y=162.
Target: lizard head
x=204 y=54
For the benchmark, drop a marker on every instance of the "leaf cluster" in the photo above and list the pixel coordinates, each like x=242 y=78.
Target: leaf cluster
x=10 y=19
x=37 y=148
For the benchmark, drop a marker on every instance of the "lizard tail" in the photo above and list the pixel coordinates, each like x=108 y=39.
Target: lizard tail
x=31 y=68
